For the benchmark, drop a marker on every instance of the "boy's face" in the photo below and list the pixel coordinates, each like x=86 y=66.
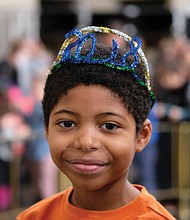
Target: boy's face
x=93 y=138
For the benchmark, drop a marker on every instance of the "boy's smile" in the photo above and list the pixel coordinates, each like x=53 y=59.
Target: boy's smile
x=92 y=137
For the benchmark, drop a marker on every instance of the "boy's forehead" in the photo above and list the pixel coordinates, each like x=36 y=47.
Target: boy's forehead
x=90 y=90
x=90 y=101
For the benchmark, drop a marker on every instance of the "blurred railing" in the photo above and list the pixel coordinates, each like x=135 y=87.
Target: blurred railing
x=180 y=168
x=183 y=168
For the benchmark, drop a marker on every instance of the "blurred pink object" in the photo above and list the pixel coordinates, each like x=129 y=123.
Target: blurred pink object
x=22 y=103
x=14 y=127
x=5 y=197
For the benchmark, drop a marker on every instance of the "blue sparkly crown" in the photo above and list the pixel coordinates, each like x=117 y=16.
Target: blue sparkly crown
x=76 y=39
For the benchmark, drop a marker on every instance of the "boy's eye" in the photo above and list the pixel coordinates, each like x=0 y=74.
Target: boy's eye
x=110 y=126
x=67 y=124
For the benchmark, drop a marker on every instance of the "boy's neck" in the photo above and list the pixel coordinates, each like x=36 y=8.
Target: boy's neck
x=109 y=198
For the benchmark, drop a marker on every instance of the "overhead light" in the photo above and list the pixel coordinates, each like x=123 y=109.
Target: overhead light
x=131 y=11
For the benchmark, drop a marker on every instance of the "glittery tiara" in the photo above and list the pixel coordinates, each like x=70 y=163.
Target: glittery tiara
x=76 y=39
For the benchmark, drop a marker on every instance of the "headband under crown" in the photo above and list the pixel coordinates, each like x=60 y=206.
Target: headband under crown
x=82 y=35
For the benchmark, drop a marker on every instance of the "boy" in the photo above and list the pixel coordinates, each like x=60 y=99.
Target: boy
x=96 y=103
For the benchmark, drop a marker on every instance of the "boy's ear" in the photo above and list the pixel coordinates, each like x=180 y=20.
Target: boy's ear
x=144 y=136
x=46 y=131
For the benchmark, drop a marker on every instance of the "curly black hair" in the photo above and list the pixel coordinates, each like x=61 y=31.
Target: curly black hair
x=135 y=97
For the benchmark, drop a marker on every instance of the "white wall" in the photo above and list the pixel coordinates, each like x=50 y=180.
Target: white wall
x=18 y=18
x=180 y=11
x=18 y=3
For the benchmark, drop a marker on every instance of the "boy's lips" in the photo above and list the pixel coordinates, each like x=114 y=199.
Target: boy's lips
x=86 y=165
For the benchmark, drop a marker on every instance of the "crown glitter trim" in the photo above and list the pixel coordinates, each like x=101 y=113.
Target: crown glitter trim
x=77 y=38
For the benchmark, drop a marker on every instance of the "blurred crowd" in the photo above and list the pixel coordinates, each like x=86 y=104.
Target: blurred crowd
x=22 y=137
x=170 y=66
x=22 y=75
x=172 y=87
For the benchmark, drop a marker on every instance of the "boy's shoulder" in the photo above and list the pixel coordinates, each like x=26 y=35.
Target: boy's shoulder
x=150 y=207
x=43 y=207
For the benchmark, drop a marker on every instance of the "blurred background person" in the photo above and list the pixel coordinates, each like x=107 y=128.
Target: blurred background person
x=44 y=172
x=171 y=83
x=32 y=64
x=13 y=133
x=21 y=121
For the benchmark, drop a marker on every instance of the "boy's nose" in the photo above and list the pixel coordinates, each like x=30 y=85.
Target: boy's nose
x=87 y=140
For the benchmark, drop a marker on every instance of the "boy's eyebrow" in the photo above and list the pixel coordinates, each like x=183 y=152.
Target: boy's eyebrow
x=99 y=115
x=65 y=111
x=112 y=114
